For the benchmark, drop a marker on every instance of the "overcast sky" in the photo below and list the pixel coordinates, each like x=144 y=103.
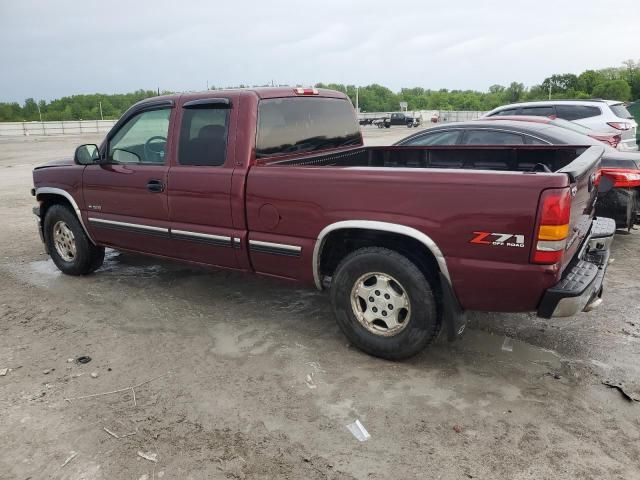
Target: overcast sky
x=57 y=48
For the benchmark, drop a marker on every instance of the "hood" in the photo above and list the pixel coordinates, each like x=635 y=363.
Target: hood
x=65 y=162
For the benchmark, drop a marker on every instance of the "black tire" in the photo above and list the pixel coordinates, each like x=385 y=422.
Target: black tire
x=423 y=323
x=87 y=258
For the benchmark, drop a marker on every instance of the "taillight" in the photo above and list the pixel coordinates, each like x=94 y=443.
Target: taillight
x=620 y=125
x=306 y=91
x=622 y=177
x=554 y=215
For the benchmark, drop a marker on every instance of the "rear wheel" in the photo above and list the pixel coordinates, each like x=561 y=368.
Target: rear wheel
x=384 y=304
x=69 y=247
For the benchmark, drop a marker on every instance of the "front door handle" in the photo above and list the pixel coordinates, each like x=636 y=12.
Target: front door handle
x=155 y=186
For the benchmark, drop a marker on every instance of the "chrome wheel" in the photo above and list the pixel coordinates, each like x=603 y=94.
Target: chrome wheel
x=64 y=241
x=381 y=304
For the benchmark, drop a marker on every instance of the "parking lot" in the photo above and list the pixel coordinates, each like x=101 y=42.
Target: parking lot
x=218 y=374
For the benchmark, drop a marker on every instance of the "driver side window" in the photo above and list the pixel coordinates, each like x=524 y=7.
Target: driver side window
x=142 y=139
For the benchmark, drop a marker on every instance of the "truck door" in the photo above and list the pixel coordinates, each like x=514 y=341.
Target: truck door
x=200 y=184
x=126 y=197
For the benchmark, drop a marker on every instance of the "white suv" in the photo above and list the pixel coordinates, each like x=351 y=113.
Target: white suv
x=598 y=115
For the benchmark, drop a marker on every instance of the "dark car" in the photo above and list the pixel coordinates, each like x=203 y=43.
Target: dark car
x=621 y=203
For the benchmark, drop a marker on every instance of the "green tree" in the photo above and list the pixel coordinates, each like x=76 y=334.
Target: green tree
x=613 y=90
x=514 y=92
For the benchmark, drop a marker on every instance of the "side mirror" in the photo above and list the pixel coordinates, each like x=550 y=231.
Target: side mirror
x=87 y=154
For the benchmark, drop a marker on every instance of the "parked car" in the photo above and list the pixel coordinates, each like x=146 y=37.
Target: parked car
x=622 y=203
x=276 y=181
x=598 y=115
x=611 y=139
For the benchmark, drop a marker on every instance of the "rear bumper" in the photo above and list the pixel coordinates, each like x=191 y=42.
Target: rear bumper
x=580 y=288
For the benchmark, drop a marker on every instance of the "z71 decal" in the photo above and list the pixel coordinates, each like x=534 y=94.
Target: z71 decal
x=498 y=239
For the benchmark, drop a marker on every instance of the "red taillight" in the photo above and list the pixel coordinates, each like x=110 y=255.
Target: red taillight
x=620 y=125
x=554 y=215
x=622 y=177
x=306 y=91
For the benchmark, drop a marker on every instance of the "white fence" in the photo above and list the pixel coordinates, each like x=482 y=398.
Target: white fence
x=71 y=127
x=430 y=115
x=459 y=116
x=78 y=127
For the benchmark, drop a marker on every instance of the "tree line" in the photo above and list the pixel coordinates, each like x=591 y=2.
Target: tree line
x=616 y=83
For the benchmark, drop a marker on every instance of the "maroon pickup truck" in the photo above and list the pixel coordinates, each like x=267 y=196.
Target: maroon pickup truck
x=277 y=181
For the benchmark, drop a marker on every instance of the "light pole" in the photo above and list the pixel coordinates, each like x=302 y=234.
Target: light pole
x=100 y=105
x=39 y=112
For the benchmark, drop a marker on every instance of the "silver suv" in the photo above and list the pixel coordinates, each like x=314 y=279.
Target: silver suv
x=598 y=115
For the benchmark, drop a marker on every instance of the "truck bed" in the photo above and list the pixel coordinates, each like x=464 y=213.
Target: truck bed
x=525 y=158
x=447 y=192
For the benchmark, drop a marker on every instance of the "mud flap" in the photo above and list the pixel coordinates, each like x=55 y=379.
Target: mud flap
x=453 y=316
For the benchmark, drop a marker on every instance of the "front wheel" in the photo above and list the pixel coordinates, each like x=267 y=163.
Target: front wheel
x=384 y=304
x=69 y=247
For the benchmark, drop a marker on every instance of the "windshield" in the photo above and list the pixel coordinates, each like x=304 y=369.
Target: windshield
x=559 y=122
x=298 y=124
x=620 y=110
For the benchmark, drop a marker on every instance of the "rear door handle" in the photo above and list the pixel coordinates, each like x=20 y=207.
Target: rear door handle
x=155 y=186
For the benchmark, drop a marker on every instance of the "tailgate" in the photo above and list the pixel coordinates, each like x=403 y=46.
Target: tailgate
x=582 y=177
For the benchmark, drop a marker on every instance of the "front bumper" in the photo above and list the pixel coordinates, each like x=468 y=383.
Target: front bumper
x=580 y=288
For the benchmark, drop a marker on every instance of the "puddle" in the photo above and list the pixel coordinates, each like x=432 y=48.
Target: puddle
x=129 y=265
x=479 y=341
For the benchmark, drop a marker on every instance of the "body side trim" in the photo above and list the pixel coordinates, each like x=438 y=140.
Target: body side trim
x=135 y=226
x=275 y=248
x=67 y=195
x=381 y=226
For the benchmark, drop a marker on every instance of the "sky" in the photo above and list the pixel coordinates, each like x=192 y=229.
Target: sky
x=57 y=48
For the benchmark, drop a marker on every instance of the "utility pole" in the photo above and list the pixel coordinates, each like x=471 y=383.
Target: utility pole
x=549 y=90
x=357 y=99
x=39 y=112
x=100 y=105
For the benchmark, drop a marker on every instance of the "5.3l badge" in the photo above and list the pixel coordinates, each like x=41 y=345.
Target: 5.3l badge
x=498 y=239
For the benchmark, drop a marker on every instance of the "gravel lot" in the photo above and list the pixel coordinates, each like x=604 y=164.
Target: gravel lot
x=251 y=378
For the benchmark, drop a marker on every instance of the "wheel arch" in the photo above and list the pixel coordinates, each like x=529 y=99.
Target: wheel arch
x=48 y=196
x=398 y=230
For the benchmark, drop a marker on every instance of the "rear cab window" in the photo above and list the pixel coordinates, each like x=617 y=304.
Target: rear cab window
x=291 y=125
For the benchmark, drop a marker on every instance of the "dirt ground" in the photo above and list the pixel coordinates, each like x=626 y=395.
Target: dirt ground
x=251 y=378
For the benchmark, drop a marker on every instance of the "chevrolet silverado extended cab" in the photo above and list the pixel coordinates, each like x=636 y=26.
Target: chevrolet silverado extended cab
x=277 y=181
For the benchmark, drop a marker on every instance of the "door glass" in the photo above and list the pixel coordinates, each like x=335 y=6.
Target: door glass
x=142 y=139
x=203 y=136
x=576 y=112
x=492 y=137
x=436 y=138
x=538 y=111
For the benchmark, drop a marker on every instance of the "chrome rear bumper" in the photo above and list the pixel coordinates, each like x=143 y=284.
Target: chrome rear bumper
x=580 y=289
